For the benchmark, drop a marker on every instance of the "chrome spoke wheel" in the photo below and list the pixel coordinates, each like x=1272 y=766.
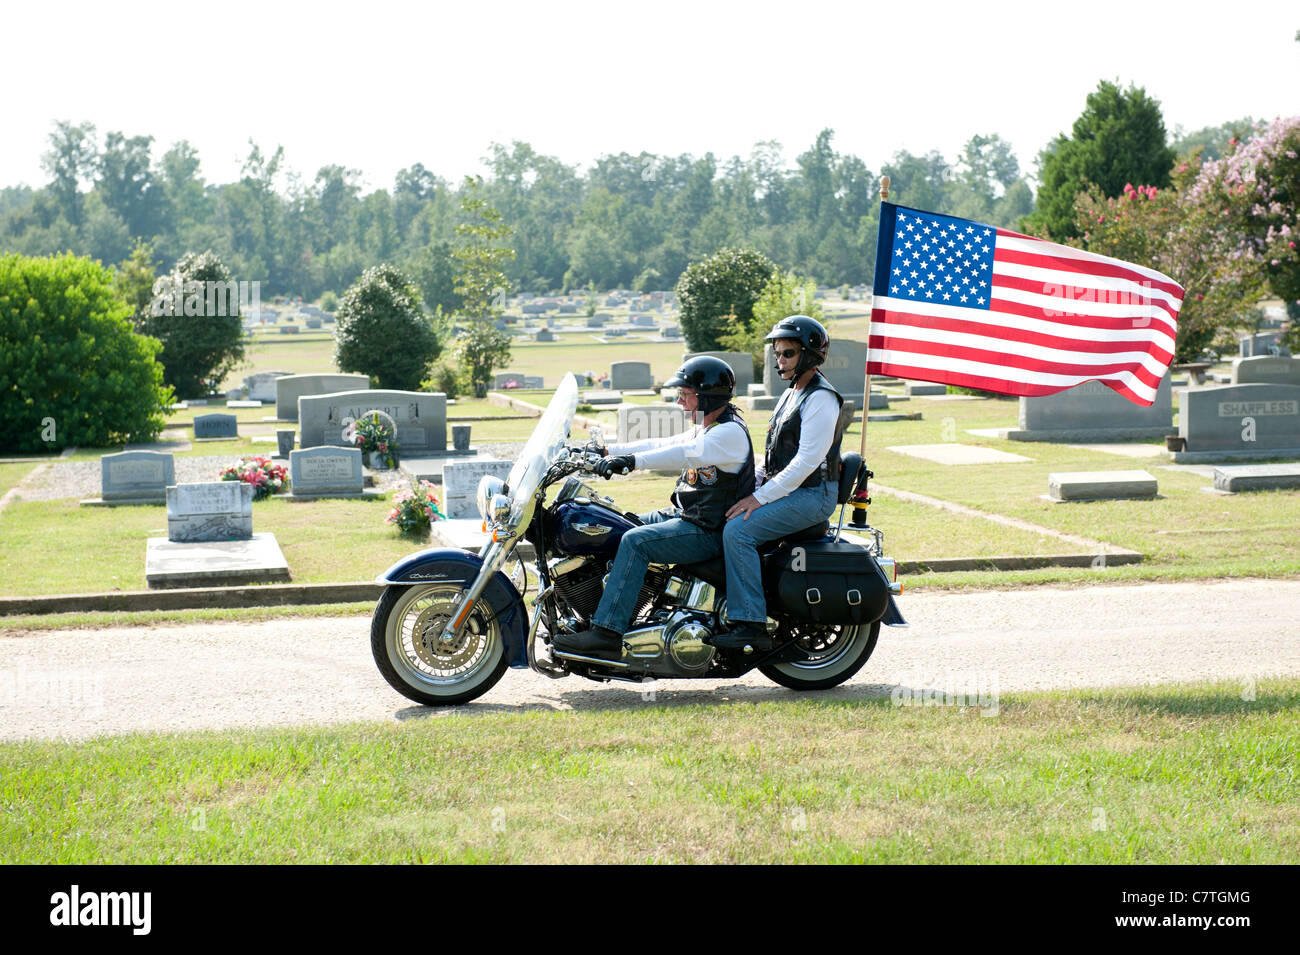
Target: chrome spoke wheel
x=420 y=659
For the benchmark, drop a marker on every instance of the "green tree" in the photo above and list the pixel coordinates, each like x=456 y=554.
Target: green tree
x=785 y=294
x=383 y=331
x=727 y=283
x=480 y=254
x=70 y=162
x=434 y=271
x=72 y=371
x=195 y=314
x=1118 y=139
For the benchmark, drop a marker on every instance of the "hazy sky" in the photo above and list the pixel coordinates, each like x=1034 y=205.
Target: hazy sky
x=380 y=85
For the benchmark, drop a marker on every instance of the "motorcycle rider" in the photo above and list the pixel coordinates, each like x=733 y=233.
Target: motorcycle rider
x=717 y=461
x=797 y=482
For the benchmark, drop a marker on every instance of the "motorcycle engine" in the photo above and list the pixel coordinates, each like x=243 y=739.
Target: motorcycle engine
x=579 y=585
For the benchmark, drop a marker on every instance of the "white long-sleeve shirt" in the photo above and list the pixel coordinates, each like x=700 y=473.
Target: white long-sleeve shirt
x=820 y=413
x=725 y=445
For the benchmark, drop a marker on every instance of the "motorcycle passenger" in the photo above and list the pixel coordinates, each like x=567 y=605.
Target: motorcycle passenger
x=795 y=485
x=717 y=462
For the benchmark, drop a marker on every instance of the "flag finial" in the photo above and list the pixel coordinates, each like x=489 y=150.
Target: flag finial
x=884 y=188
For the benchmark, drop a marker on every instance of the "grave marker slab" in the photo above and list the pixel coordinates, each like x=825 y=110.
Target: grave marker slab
x=261 y=386
x=326 y=472
x=460 y=480
x=1254 y=420
x=1256 y=477
x=1266 y=369
x=289 y=388
x=421 y=418
x=544 y=335
x=1092 y=412
x=630 y=375
x=643 y=422
x=742 y=363
x=212 y=511
x=136 y=477
x=1100 y=485
x=216 y=426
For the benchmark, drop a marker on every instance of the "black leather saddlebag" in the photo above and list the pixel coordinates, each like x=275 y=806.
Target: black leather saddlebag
x=829 y=583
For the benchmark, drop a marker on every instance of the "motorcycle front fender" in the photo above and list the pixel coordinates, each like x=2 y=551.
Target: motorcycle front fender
x=450 y=565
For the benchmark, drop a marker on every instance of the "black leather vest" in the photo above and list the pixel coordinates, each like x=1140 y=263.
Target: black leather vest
x=783 y=436
x=704 y=495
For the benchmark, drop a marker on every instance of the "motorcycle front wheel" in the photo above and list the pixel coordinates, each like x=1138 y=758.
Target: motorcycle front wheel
x=406 y=639
x=837 y=653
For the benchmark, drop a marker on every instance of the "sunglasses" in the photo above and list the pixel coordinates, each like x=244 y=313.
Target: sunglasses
x=787 y=353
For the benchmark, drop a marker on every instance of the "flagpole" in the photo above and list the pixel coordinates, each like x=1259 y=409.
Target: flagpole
x=863 y=497
x=866 y=387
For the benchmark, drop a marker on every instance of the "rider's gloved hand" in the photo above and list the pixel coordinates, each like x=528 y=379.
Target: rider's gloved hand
x=616 y=465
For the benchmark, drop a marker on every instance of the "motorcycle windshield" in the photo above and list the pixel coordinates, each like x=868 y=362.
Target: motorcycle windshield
x=547 y=440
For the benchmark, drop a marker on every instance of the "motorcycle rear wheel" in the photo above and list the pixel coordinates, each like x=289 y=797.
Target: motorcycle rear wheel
x=406 y=641
x=844 y=651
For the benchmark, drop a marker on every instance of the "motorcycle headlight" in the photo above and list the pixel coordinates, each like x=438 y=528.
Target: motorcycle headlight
x=499 y=509
x=489 y=488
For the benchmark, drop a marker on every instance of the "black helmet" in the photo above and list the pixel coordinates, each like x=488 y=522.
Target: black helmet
x=710 y=378
x=808 y=332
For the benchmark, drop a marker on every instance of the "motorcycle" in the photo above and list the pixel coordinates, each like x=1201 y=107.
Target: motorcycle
x=449 y=622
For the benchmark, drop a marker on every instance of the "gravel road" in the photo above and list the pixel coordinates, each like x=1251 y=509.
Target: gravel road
x=80 y=683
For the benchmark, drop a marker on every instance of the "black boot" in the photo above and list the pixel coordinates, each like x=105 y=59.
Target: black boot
x=600 y=641
x=744 y=635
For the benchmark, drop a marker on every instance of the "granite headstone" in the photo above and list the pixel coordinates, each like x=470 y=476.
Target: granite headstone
x=326 y=472
x=213 y=511
x=136 y=476
x=290 y=388
x=460 y=480
x=420 y=417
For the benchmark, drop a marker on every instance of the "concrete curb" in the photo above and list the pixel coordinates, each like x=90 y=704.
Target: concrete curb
x=947 y=565
x=191 y=598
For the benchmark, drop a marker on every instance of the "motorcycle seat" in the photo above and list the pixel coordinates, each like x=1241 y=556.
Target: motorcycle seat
x=710 y=571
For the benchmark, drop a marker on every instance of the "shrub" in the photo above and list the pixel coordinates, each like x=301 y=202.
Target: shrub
x=329 y=302
x=72 y=371
x=383 y=331
x=450 y=380
x=785 y=294
x=726 y=283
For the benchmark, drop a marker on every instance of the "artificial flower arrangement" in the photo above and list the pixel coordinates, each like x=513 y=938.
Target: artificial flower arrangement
x=373 y=435
x=266 y=478
x=416 y=508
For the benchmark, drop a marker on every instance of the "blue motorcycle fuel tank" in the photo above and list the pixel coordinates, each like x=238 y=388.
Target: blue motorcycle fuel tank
x=583 y=528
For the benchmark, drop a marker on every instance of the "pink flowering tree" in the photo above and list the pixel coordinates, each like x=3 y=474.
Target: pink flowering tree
x=1178 y=232
x=1256 y=188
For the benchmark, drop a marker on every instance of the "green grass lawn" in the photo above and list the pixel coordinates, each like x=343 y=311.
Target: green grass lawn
x=11 y=474
x=1167 y=775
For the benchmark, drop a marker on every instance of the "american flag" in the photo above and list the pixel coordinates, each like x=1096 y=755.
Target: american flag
x=963 y=303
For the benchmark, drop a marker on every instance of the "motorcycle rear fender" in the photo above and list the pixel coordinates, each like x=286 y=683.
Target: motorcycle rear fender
x=893 y=617
x=443 y=564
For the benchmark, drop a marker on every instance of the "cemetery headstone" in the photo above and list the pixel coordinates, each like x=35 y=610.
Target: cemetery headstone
x=624 y=375
x=1257 y=477
x=215 y=426
x=136 y=477
x=596 y=321
x=313 y=323
x=1092 y=412
x=670 y=331
x=288 y=329
x=290 y=388
x=1100 y=485
x=460 y=437
x=741 y=363
x=284 y=440
x=544 y=335
x=511 y=379
x=212 y=511
x=642 y=422
x=261 y=386
x=420 y=417
x=1266 y=369
x=325 y=472
x=1243 y=421
x=460 y=480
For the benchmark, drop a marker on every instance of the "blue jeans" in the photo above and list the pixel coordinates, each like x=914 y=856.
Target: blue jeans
x=802 y=507
x=662 y=539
